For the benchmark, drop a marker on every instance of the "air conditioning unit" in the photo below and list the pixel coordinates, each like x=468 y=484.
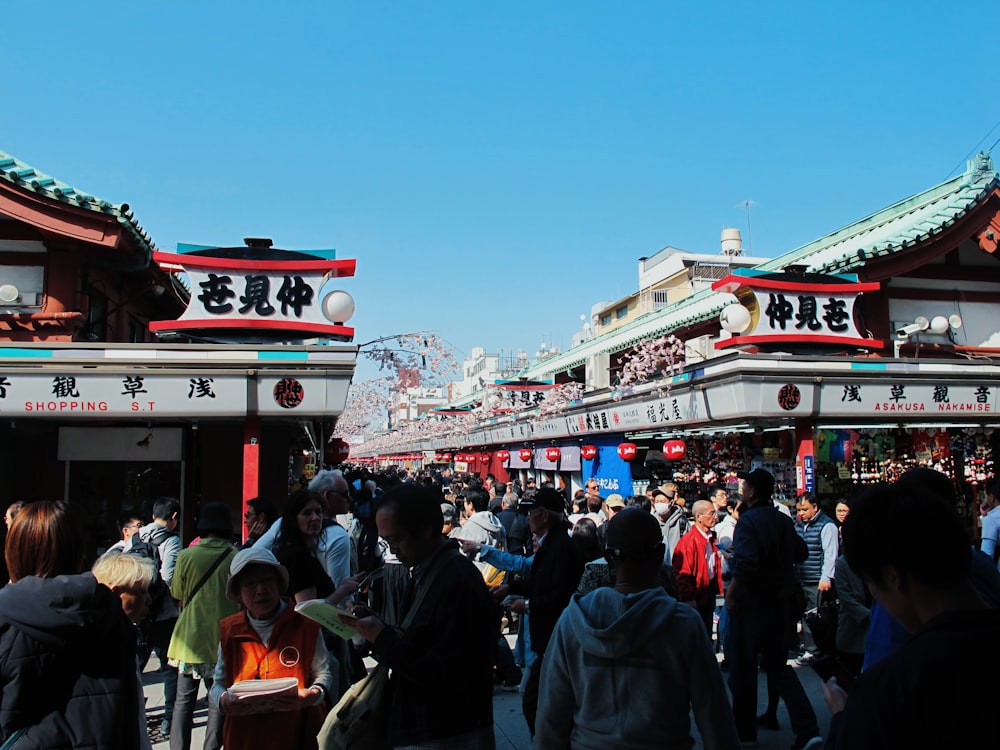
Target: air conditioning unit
x=699 y=349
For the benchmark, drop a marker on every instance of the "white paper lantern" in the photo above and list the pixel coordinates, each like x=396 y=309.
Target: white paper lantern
x=735 y=318
x=338 y=306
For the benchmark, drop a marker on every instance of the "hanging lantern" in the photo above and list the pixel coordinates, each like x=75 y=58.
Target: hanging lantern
x=503 y=455
x=446 y=458
x=552 y=453
x=525 y=454
x=337 y=451
x=484 y=457
x=674 y=450
x=735 y=318
x=627 y=451
x=588 y=452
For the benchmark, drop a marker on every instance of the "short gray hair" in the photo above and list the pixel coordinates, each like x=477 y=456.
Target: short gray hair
x=326 y=479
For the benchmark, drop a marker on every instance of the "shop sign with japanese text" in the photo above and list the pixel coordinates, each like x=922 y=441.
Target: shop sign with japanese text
x=268 y=295
x=126 y=394
x=890 y=399
x=786 y=308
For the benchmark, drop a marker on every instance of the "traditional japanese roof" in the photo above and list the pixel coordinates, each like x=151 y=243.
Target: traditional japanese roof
x=892 y=230
x=896 y=228
x=26 y=177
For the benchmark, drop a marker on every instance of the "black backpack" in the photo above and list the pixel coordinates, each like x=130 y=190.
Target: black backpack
x=148 y=545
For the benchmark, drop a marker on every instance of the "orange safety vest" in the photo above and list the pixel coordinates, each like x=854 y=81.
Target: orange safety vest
x=289 y=654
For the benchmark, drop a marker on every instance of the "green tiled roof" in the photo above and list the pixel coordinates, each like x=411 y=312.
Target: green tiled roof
x=896 y=228
x=846 y=250
x=28 y=178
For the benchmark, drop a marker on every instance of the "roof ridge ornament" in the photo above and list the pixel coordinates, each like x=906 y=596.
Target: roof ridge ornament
x=980 y=167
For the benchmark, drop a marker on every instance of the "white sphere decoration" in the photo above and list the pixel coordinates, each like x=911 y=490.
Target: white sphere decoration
x=735 y=318
x=939 y=324
x=338 y=306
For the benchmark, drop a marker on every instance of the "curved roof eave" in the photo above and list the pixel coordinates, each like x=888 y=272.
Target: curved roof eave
x=896 y=227
x=26 y=177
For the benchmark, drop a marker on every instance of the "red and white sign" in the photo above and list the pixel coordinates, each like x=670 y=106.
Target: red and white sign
x=798 y=308
x=278 y=295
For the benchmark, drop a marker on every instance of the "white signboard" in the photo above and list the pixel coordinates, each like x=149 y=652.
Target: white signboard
x=132 y=393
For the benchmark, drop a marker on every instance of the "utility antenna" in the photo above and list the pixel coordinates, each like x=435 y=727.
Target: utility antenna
x=746 y=204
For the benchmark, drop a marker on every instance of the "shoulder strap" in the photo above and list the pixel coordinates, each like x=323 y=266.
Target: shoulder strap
x=208 y=573
x=425 y=585
x=158 y=536
x=13 y=738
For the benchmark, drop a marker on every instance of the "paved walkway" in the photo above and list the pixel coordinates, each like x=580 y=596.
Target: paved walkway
x=510 y=728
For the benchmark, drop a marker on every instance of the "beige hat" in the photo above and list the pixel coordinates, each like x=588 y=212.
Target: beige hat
x=254 y=556
x=615 y=501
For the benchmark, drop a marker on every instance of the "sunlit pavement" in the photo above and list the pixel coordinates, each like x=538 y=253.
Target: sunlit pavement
x=511 y=730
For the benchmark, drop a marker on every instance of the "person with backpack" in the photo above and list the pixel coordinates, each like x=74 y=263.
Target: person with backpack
x=160 y=542
x=200 y=585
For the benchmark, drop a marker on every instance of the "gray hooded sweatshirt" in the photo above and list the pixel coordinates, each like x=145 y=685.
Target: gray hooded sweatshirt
x=626 y=671
x=486 y=528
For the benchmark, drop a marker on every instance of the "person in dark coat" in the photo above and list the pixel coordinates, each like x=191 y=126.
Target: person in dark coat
x=555 y=573
x=67 y=649
x=446 y=652
x=515 y=526
x=920 y=695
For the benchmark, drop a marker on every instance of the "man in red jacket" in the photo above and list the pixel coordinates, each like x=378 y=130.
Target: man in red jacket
x=698 y=564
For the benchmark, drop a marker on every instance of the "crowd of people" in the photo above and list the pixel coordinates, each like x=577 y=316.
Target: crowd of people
x=633 y=615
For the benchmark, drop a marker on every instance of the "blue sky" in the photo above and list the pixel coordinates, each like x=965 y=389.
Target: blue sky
x=497 y=168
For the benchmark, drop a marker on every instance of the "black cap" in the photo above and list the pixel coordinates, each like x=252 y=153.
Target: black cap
x=215 y=517
x=547 y=498
x=762 y=481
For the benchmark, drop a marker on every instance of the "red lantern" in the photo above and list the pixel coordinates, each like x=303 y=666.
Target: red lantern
x=588 y=452
x=552 y=453
x=461 y=458
x=503 y=456
x=674 y=450
x=484 y=457
x=337 y=451
x=525 y=454
x=627 y=451
x=445 y=458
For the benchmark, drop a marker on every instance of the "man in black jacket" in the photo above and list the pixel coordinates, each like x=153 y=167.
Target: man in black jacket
x=448 y=647
x=764 y=553
x=555 y=574
x=515 y=526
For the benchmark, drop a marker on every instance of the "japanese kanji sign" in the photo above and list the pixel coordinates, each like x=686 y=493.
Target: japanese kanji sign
x=238 y=293
x=795 y=308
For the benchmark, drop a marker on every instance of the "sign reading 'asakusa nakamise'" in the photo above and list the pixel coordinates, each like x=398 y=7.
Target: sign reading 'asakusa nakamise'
x=811 y=309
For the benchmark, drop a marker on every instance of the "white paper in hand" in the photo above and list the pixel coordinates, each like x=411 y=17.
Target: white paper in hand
x=333 y=618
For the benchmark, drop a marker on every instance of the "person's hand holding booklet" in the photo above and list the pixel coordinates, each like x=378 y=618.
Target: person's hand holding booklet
x=333 y=618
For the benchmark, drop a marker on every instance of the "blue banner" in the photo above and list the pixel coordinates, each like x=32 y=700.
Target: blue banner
x=611 y=473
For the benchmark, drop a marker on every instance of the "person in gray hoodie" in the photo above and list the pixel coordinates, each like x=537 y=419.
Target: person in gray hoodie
x=480 y=524
x=615 y=646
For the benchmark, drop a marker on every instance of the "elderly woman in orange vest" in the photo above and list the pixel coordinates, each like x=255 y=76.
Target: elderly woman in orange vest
x=269 y=640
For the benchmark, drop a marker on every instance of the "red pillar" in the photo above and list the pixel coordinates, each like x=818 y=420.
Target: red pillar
x=251 y=462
